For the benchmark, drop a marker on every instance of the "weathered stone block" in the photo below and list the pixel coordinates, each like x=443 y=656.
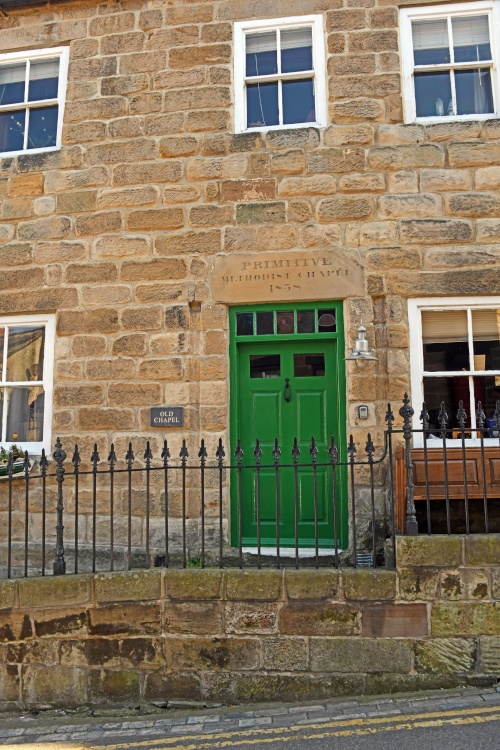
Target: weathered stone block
x=212 y=653
x=90 y=652
x=113 y=686
x=159 y=687
x=463 y=618
x=133 y=619
x=470 y=154
x=482 y=550
x=7 y=594
x=259 y=213
x=259 y=585
x=394 y=620
x=343 y=208
x=369 y=584
x=142 y=653
x=246 y=618
x=61 y=622
x=286 y=654
x=9 y=682
x=194 y=618
x=317 y=585
x=405 y=206
x=436 y=551
x=489 y=655
x=318 y=619
x=128 y=586
x=54 y=591
x=55 y=685
x=402 y=157
x=355 y=655
x=418 y=583
x=15 y=626
x=446 y=655
x=464 y=584
x=193 y=584
x=294 y=138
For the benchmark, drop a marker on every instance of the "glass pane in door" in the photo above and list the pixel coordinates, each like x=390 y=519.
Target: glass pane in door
x=265 y=366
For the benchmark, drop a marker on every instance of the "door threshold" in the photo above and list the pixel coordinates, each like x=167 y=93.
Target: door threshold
x=290 y=551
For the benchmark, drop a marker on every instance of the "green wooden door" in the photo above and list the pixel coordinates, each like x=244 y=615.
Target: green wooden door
x=289 y=385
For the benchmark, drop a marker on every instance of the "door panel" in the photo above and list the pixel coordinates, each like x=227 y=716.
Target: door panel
x=307 y=408
x=310 y=416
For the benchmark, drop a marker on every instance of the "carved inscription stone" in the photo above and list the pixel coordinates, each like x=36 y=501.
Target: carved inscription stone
x=295 y=276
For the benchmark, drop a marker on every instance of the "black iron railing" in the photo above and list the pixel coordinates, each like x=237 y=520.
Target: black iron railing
x=146 y=508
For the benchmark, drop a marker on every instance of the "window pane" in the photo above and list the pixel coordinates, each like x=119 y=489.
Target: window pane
x=12 y=131
x=486 y=338
x=308 y=365
x=430 y=42
x=326 y=321
x=471 y=38
x=298 y=102
x=445 y=340
x=261 y=54
x=42 y=131
x=12 y=79
x=433 y=94
x=284 y=322
x=451 y=391
x=296 y=50
x=25 y=352
x=25 y=414
x=474 y=95
x=305 y=321
x=487 y=391
x=244 y=324
x=265 y=323
x=262 y=105
x=44 y=80
x=265 y=366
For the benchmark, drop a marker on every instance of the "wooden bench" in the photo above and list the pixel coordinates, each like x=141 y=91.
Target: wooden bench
x=477 y=480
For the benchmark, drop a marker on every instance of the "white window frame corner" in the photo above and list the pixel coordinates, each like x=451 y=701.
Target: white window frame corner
x=63 y=54
x=319 y=66
x=415 y=307
x=429 y=12
x=49 y=320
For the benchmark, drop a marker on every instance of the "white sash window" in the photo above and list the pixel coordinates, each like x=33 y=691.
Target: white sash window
x=450 y=56
x=279 y=73
x=32 y=96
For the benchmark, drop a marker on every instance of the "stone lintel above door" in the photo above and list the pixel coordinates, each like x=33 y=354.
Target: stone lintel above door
x=299 y=275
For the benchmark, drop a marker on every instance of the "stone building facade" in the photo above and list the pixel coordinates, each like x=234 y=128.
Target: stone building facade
x=155 y=217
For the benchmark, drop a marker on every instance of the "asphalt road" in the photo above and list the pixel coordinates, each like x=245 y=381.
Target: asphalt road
x=472 y=729
x=463 y=719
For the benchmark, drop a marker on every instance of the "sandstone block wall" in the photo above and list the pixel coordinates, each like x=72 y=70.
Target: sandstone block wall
x=230 y=635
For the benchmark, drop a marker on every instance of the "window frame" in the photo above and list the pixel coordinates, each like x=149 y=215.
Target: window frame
x=49 y=320
x=39 y=54
x=424 y=13
x=319 y=69
x=415 y=308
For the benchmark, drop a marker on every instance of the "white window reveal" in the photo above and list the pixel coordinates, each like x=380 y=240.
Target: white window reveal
x=279 y=73
x=455 y=356
x=32 y=96
x=27 y=347
x=450 y=59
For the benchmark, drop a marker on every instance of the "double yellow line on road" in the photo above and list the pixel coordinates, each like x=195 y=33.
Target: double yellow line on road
x=335 y=728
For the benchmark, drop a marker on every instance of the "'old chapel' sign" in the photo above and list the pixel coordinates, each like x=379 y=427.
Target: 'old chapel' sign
x=305 y=274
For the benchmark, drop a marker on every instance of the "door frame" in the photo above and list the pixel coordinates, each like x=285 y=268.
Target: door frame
x=340 y=387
